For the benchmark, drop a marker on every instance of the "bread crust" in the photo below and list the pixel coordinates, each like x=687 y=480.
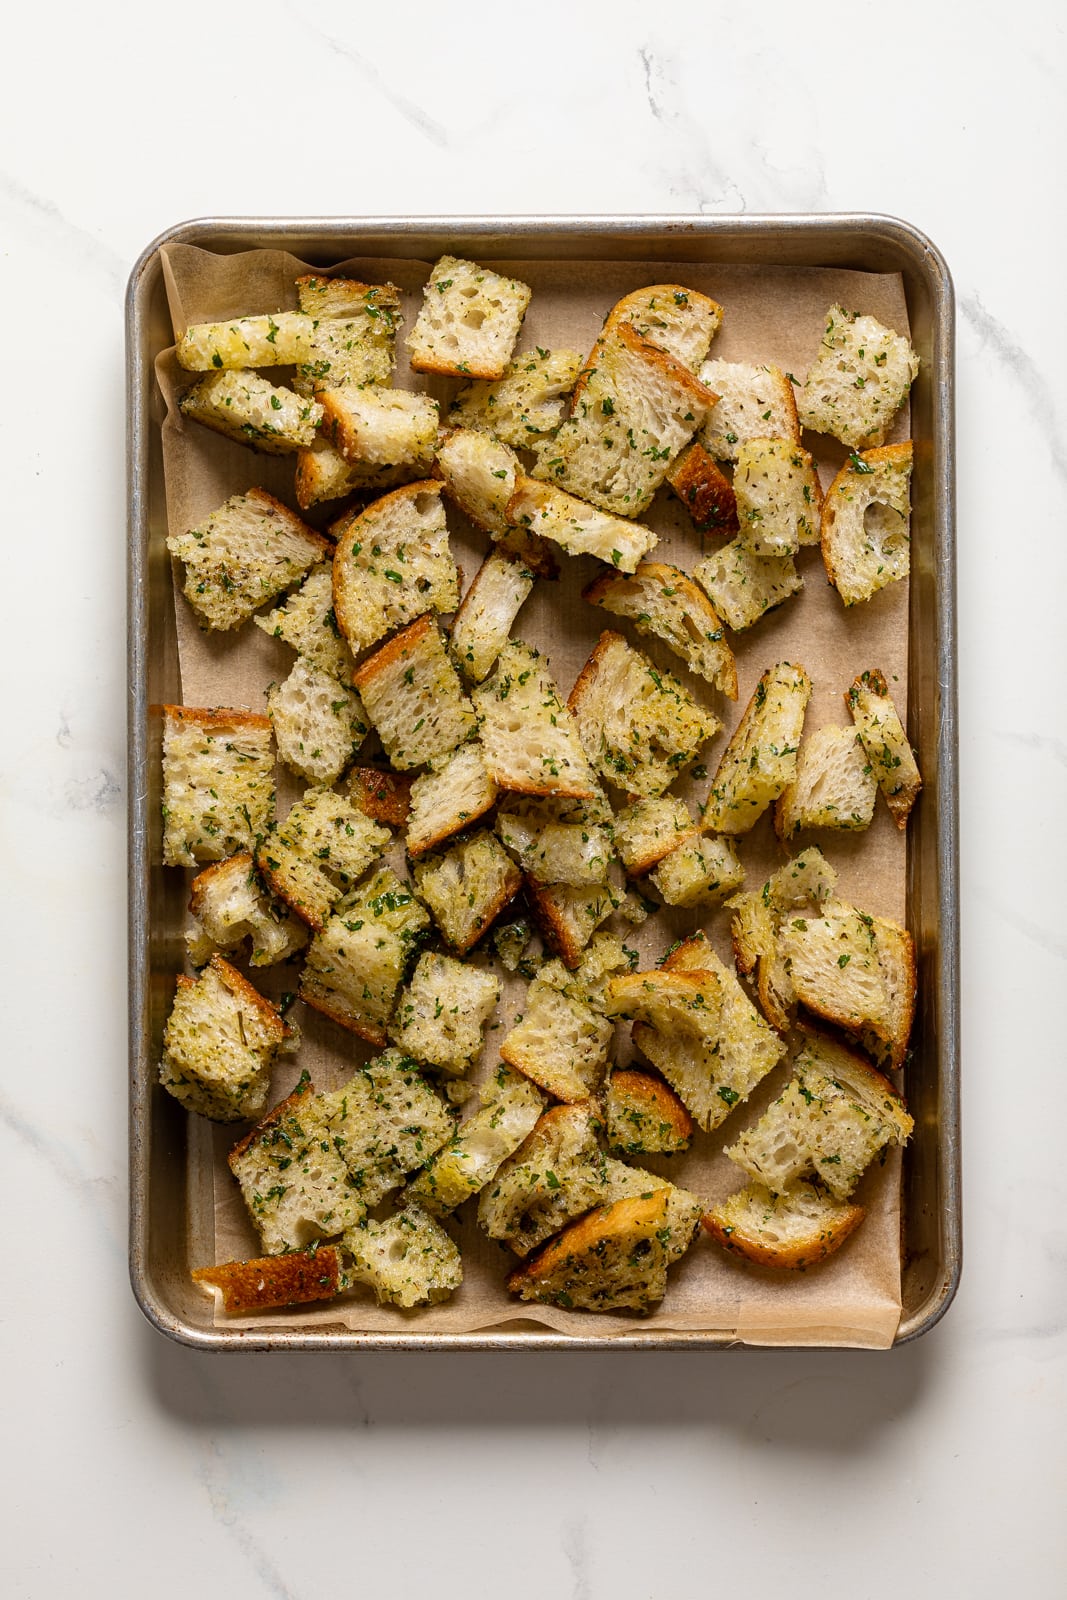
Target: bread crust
x=642 y=1215
x=382 y=796
x=217 y=717
x=393 y=650
x=367 y=1031
x=791 y=1257
x=704 y=490
x=202 y=883
x=650 y=1097
x=276 y=1115
x=268 y=1282
x=245 y=994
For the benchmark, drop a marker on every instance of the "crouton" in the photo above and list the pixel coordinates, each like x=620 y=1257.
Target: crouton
x=408 y=1260
x=706 y=493
x=853 y=970
x=509 y=1109
x=834 y=786
x=648 y=830
x=778 y=496
x=479 y=473
x=467 y=887
x=701 y=871
x=357 y=963
x=643 y=1116
x=319 y=853
x=219 y=1044
x=218 y=783
x=413 y=696
x=612 y=1260
x=882 y=735
x=382 y=796
x=230 y=904
x=442 y=1012
x=354 y=337
x=684 y=1208
x=551 y=851
x=243 y=554
x=557 y=1173
x=793 y=1230
x=392 y=564
x=307 y=621
x=744 y=585
x=381 y=427
x=680 y=321
x=866 y=539
x=858 y=381
x=803 y=885
x=754 y=402
x=639 y=727
x=569 y=915
x=532 y=743
x=449 y=797
x=469 y=321
x=245 y=407
x=482 y=625
x=896 y=960
x=662 y=601
x=278 y=340
x=318 y=723
x=384 y=1123
x=322 y=473
x=561 y=1040
x=523 y=406
x=578 y=528
x=271 y=1282
x=761 y=758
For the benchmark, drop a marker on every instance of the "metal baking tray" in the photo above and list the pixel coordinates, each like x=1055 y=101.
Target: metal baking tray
x=160 y=1246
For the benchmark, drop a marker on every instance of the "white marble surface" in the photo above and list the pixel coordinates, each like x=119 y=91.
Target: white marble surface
x=130 y=1462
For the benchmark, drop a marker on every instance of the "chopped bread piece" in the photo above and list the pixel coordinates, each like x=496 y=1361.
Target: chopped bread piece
x=643 y=1116
x=754 y=403
x=450 y=796
x=614 y=1259
x=322 y=473
x=578 y=528
x=639 y=727
x=229 y=904
x=468 y=887
x=881 y=732
x=308 y=622
x=551 y=851
x=382 y=796
x=744 y=585
x=834 y=786
x=354 y=337
x=510 y=1107
x=557 y=1173
x=701 y=871
x=413 y=696
x=442 y=1012
x=569 y=915
x=834 y=1116
x=479 y=474
x=511 y=942
x=318 y=723
x=392 y=564
x=650 y=829
x=381 y=427
x=778 y=496
x=532 y=743
x=357 y=963
x=245 y=407
x=896 y=958
x=803 y=885
x=636 y=407
x=561 y=1040
x=219 y=1044
x=319 y=853
x=218 y=783
x=278 y=340
x=866 y=539
x=794 y=1230
x=854 y=970
x=243 y=554
x=408 y=1260
x=858 y=381
x=761 y=758
x=523 y=406
x=684 y=1208
x=270 y=1282
x=384 y=1123
x=292 y=1176
x=664 y=602
x=469 y=322
x=678 y=320
x=482 y=625
x=704 y=490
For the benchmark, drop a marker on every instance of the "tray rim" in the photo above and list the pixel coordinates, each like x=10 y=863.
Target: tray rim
x=248 y=233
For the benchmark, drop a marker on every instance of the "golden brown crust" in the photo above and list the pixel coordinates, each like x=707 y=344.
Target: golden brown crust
x=457 y=369
x=553 y=926
x=385 y=294
x=790 y=1257
x=295 y=525
x=243 y=991
x=638 y=301
x=628 y=335
x=273 y=1281
x=394 y=650
x=277 y=1114
x=650 y=1097
x=217 y=717
x=584 y=682
x=871 y=459
x=201 y=884
x=510 y=888
x=680 y=957
x=284 y=890
x=382 y=796
x=360 y=1027
x=704 y=490
x=668 y=577
x=583 y=1237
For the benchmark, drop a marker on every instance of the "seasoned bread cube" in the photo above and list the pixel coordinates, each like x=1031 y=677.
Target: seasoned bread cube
x=896 y=959
x=639 y=727
x=308 y=622
x=408 y=1260
x=643 y=1116
x=834 y=786
x=761 y=758
x=469 y=322
x=482 y=625
x=681 y=321
x=413 y=696
x=468 y=887
x=218 y=783
x=384 y=1123
x=354 y=337
x=706 y=493
x=793 y=1230
x=701 y=871
x=525 y=404
x=245 y=407
x=634 y=411
x=318 y=853
x=229 y=904
x=561 y=1040
x=450 y=796
x=442 y=1012
x=866 y=538
x=270 y=1282
x=510 y=1107
x=578 y=528
x=854 y=970
x=754 y=403
x=664 y=602
x=553 y=851
x=322 y=473
x=891 y=758
x=744 y=585
x=614 y=1259
x=479 y=474
x=858 y=381
x=684 y=1208
x=278 y=340
x=556 y=1174
x=803 y=885
x=318 y=723
x=778 y=496
x=381 y=427
x=569 y=915
x=392 y=564
x=650 y=829
x=382 y=796
x=242 y=555
x=356 y=964
x=219 y=1044
x=293 y=1180
x=532 y=743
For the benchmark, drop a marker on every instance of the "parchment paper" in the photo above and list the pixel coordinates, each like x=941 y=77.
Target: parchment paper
x=773 y=315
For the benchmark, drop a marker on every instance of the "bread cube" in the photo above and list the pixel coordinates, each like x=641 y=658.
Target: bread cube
x=866 y=523
x=379 y=427
x=469 y=321
x=744 y=585
x=243 y=554
x=229 y=904
x=755 y=402
x=318 y=723
x=356 y=964
x=392 y=564
x=408 y=1260
x=702 y=871
x=678 y=320
x=219 y=1044
x=577 y=527
x=245 y=407
x=793 y=1230
x=353 y=341
x=556 y=1174
x=704 y=490
x=218 y=783
x=270 y=1282
x=650 y=829
x=532 y=743
x=881 y=732
x=413 y=697
x=525 y=404
x=307 y=621
x=778 y=496
x=443 y=1011
x=662 y=601
x=643 y=1116
x=613 y=1259
x=761 y=758
x=834 y=786
x=858 y=381
x=510 y=1107
x=317 y=855
x=449 y=797
x=279 y=340
x=467 y=887
x=482 y=625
